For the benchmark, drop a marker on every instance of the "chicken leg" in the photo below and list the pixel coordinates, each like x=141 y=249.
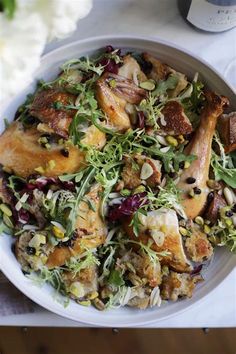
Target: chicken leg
x=196 y=175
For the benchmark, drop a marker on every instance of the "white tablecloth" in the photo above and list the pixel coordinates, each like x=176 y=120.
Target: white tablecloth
x=156 y=18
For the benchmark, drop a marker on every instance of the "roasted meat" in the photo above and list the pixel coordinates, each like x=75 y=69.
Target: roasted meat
x=161 y=71
x=113 y=92
x=162 y=227
x=21 y=153
x=91 y=230
x=49 y=106
x=227 y=131
x=176 y=121
x=213 y=209
x=131 y=70
x=197 y=174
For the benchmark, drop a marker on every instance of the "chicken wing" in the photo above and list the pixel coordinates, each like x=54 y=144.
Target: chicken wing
x=196 y=175
x=113 y=92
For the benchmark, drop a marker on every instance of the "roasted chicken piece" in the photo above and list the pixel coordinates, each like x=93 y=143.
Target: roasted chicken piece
x=132 y=171
x=161 y=71
x=21 y=153
x=213 y=209
x=198 y=246
x=131 y=70
x=195 y=177
x=177 y=285
x=91 y=230
x=227 y=131
x=162 y=227
x=113 y=92
x=49 y=106
x=176 y=121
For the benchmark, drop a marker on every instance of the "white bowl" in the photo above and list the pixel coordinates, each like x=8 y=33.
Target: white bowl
x=223 y=262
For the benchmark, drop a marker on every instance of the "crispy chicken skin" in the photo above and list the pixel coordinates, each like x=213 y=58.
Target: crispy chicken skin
x=200 y=146
x=176 y=120
x=21 y=153
x=227 y=131
x=112 y=100
x=177 y=285
x=57 y=119
x=91 y=230
x=160 y=71
x=172 y=242
x=132 y=169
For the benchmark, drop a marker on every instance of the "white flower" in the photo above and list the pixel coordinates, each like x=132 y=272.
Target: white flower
x=23 y=38
x=60 y=16
x=22 y=42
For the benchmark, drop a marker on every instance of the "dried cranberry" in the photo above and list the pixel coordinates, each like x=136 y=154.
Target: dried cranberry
x=109 y=65
x=109 y=49
x=210 y=197
x=68 y=185
x=23 y=215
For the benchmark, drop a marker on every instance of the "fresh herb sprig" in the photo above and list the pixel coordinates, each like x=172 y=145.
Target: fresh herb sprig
x=223 y=165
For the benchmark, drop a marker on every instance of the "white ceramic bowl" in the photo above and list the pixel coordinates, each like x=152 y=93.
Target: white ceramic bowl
x=223 y=261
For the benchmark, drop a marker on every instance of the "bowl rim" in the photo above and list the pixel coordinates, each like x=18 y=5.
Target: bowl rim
x=225 y=271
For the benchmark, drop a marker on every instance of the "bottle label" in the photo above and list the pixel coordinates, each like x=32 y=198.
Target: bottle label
x=211 y=17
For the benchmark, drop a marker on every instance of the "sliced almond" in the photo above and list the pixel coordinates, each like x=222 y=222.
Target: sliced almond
x=146 y=171
x=158 y=237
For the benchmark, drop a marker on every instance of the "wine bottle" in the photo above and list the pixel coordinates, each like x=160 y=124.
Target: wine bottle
x=209 y=15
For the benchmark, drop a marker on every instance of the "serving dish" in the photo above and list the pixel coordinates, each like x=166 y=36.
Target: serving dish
x=223 y=262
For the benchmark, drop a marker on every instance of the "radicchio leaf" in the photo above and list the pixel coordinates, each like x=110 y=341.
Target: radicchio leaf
x=128 y=206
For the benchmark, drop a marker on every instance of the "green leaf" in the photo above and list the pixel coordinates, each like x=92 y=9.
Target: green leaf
x=225 y=174
x=136 y=222
x=115 y=278
x=9 y=7
x=168 y=84
x=233 y=157
x=68 y=177
x=222 y=164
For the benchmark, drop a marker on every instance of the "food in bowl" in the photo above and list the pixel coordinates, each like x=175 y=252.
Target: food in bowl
x=118 y=181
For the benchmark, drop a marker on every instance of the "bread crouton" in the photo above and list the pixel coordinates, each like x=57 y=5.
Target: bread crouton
x=177 y=285
x=198 y=246
x=131 y=173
